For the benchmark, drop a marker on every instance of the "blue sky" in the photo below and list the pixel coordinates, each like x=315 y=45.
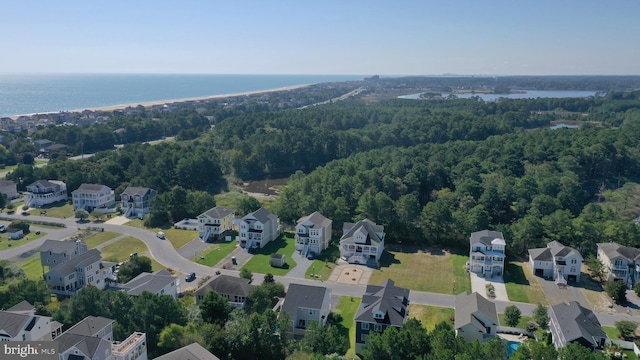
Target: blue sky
x=490 y=37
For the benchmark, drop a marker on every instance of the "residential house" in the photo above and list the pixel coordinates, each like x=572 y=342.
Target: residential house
x=42 y=144
x=385 y=305
x=194 y=351
x=72 y=275
x=96 y=326
x=476 y=318
x=14 y=233
x=160 y=282
x=304 y=304
x=44 y=192
x=132 y=348
x=55 y=252
x=92 y=196
x=362 y=242
x=258 y=228
x=234 y=289
x=313 y=234
x=487 y=253
x=215 y=223
x=620 y=262
x=82 y=347
x=9 y=189
x=20 y=323
x=556 y=261
x=570 y=322
x=136 y=201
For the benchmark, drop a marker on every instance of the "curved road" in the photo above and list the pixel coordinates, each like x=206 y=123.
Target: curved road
x=163 y=252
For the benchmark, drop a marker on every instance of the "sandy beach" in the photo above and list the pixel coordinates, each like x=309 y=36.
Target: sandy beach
x=171 y=101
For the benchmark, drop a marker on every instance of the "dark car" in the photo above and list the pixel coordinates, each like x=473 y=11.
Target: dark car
x=190 y=277
x=311 y=256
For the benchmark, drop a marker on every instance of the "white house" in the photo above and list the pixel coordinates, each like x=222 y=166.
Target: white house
x=136 y=201
x=556 y=261
x=362 y=242
x=313 y=234
x=20 y=323
x=487 y=253
x=258 y=228
x=92 y=196
x=160 y=282
x=215 y=223
x=620 y=262
x=44 y=192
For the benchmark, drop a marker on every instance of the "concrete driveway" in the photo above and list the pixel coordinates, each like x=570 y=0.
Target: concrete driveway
x=479 y=285
x=556 y=294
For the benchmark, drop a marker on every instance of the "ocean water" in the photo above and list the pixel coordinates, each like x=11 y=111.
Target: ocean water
x=40 y=93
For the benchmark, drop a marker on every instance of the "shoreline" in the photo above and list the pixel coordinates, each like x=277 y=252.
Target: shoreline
x=163 y=102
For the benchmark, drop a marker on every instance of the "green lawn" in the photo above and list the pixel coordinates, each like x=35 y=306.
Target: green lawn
x=229 y=199
x=60 y=210
x=611 y=331
x=6 y=243
x=347 y=307
x=259 y=263
x=121 y=249
x=324 y=264
x=177 y=237
x=521 y=284
x=432 y=271
x=521 y=324
x=429 y=316
x=216 y=253
x=100 y=237
x=31 y=267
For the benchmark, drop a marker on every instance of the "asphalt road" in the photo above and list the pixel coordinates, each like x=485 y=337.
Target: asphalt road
x=163 y=252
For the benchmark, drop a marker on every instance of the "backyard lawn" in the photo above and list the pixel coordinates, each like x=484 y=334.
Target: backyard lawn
x=259 y=263
x=216 y=253
x=100 y=237
x=521 y=324
x=32 y=267
x=6 y=243
x=58 y=210
x=324 y=263
x=347 y=307
x=432 y=271
x=177 y=237
x=121 y=250
x=429 y=316
x=522 y=285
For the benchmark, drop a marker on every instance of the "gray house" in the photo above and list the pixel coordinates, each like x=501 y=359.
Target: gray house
x=54 y=252
x=160 y=282
x=193 y=351
x=135 y=201
x=476 y=318
x=304 y=304
x=234 y=289
x=570 y=322
x=556 y=261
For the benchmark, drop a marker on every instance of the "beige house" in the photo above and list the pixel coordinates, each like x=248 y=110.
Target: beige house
x=215 y=223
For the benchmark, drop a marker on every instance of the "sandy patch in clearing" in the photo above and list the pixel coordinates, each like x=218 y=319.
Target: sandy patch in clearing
x=351 y=274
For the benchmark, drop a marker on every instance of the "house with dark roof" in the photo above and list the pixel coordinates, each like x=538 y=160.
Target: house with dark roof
x=362 y=242
x=620 y=262
x=96 y=326
x=55 y=252
x=556 y=261
x=382 y=306
x=476 y=318
x=135 y=201
x=9 y=189
x=160 y=282
x=44 y=192
x=234 y=289
x=20 y=323
x=570 y=322
x=215 y=223
x=72 y=275
x=304 y=304
x=42 y=144
x=313 y=234
x=92 y=196
x=487 y=253
x=82 y=347
x=193 y=351
x=258 y=228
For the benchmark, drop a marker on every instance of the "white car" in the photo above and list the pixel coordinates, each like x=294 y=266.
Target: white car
x=160 y=235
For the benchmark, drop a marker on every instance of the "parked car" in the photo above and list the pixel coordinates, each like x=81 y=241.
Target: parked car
x=160 y=235
x=3 y=228
x=190 y=277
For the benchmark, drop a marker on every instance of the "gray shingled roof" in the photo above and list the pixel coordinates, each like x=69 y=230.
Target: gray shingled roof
x=133 y=190
x=151 y=282
x=541 y=254
x=225 y=284
x=57 y=246
x=87 y=344
x=316 y=218
x=614 y=250
x=12 y=323
x=367 y=226
x=467 y=304
x=89 y=326
x=388 y=298
x=262 y=215
x=190 y=352
x=575 y=321
x=485 y=236
x=69 y=266
x=306 y=296
x=218 y=212
x=557 y=249
x=42 y=183
x=24 y=305
x=4 y=183
x=90 y=188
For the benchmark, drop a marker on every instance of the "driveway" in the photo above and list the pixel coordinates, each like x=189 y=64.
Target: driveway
x=479 y=285
x=302 y=264
x=193 y=248
x=556 y=294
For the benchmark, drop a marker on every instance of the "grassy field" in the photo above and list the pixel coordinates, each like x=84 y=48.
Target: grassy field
x=58 y=210
x=521 y=324
x=6 y=243
x=324 y=264
x=429 y=316
x=259 y=263
x=612 y=332
x=121 y=249
x=177 y=237
x=433 y=271
x=521 y=284
x=99 y=238
x=347 y=307
x=31 y=267
x=216 y=253
x=231 y=199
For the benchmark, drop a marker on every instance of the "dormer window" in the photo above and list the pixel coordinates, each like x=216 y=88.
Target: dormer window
x=378 y=315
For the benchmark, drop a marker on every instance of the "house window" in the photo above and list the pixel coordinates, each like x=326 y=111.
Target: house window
x=363 y=338
x=364 y=326
x=573 y=269
x=574 y=261
x=377 y=327
x=301 y=323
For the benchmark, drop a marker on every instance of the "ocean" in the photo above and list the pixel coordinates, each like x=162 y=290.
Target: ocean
x=41 y=93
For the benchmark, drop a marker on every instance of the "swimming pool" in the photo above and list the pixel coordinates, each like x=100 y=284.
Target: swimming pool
x=512 y=346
